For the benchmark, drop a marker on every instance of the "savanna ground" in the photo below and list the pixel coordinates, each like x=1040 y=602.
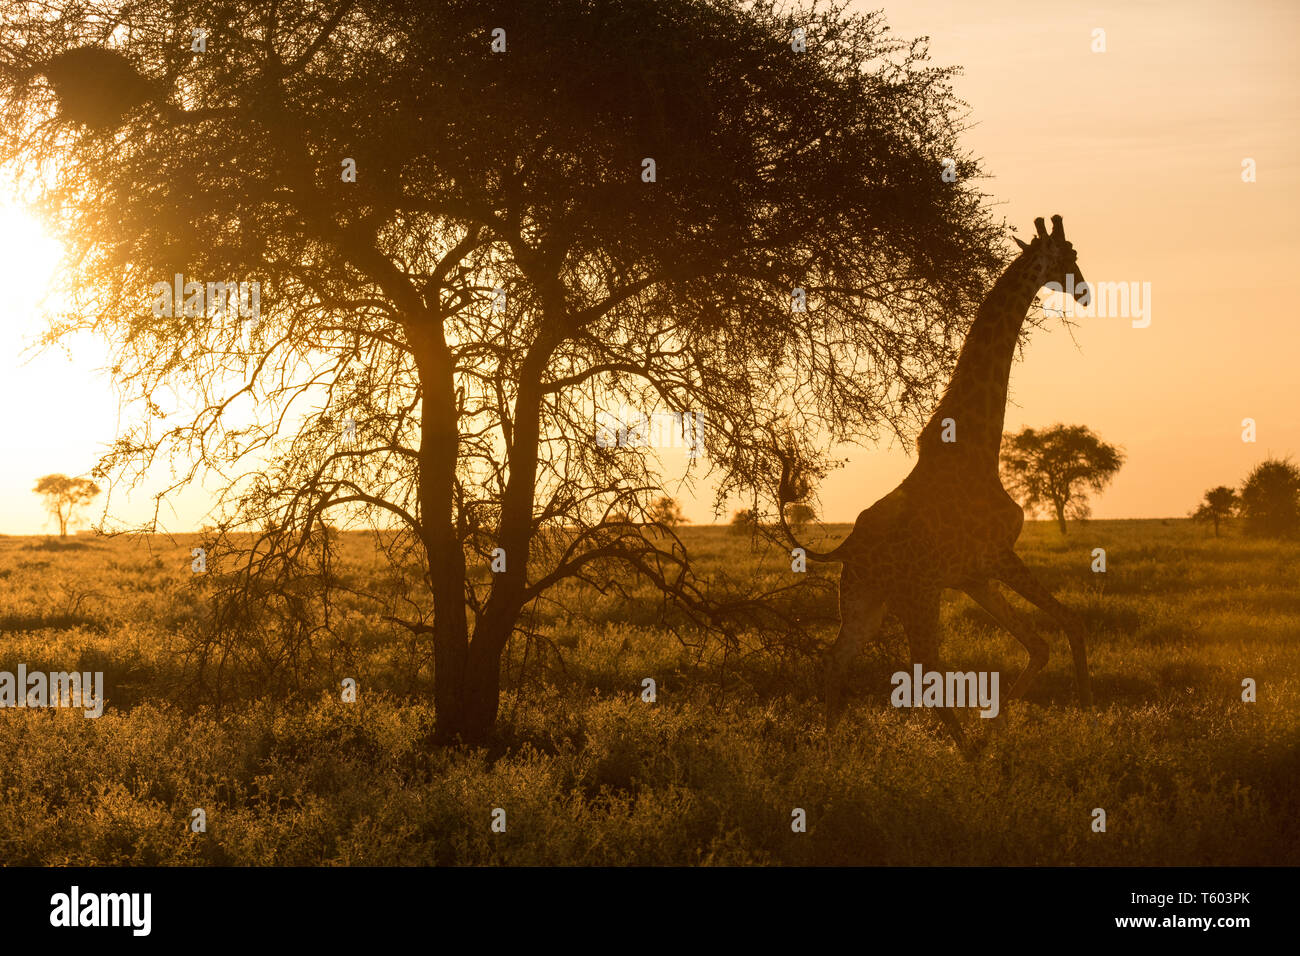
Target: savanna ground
x=589 y=773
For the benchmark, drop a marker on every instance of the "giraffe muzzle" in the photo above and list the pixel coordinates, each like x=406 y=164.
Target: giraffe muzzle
x=1079 y=288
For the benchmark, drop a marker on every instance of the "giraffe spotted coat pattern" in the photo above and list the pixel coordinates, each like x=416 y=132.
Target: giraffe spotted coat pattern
x=950 y=524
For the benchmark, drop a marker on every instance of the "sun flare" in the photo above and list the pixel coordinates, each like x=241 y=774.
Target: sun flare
x=28 y=260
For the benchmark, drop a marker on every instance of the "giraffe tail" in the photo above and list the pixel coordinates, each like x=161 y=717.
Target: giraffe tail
x=835 y=555
x=783 y=496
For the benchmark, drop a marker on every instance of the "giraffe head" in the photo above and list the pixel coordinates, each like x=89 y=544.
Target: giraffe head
x=1056 y=260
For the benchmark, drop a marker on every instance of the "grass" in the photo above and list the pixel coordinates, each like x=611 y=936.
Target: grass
x=589 y=773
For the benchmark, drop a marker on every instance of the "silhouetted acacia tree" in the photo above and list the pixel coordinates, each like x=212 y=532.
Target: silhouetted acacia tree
x=1054 y=469
x=666 y=511
x=1218 y=504
x=1270 y=499
x=64 y=495
x=435 y=338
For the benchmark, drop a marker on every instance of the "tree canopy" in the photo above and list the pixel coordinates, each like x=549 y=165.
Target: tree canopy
x=1219 y=503
x=1270 y=499
x=65 y=496
x=435 y=335
x=1053 y=469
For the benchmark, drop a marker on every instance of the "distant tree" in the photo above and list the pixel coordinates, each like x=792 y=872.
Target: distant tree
x=666 y=511
x=744 y=521
x=1219 y=503
x=1270 y=499
x=64 y=495
x=799 y=514
x=1053 y=469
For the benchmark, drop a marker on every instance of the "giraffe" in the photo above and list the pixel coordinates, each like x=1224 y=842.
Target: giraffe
x=950 y=523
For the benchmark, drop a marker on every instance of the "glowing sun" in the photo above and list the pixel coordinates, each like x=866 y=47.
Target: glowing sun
x=28 y=259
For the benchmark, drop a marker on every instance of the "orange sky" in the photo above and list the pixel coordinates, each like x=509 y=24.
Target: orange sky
x=1140 y=148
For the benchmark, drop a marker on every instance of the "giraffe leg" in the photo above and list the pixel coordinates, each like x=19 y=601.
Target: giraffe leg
x=861 y=612
x=987 y=597
x=1012 y=572
x=919 y=615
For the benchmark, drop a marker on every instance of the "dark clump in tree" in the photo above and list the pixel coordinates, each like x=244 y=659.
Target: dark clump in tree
x=1054 y=469
x=95 y=87
x=65 y=496
x=1217 y=506
x=614 y=212
x=1270 y=499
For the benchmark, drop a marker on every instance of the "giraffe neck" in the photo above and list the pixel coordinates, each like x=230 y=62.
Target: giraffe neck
x=976 y=398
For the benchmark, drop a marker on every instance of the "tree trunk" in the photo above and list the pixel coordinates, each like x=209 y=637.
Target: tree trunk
x=467 y=692
x=1060 y=516
x=439 y=448
x=467 y=673
x=492 y=630
x=1216 y=525
x=483 y=685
